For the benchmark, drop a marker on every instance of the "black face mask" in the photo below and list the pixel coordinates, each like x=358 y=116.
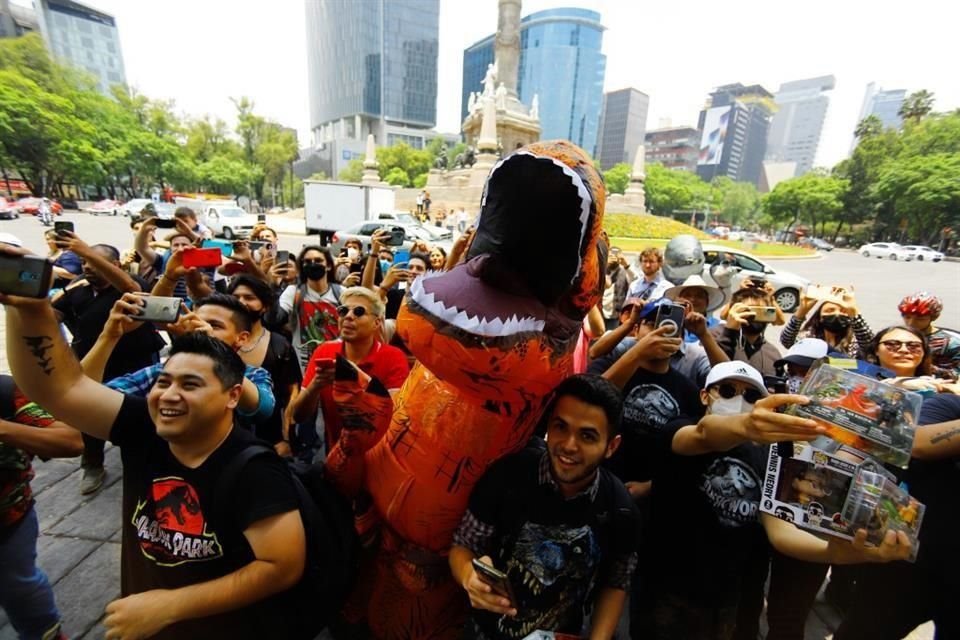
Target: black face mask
x=314 y=271
x=835 y=324
x=754 y=328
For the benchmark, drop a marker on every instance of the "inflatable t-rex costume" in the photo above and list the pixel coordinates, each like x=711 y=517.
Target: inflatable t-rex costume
x=492 y=337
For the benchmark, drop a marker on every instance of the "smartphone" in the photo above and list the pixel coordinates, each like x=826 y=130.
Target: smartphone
x=670 y=315
x=27 y=276
x=233 y=268
x=497 y=580
x=160 y=309
x=270 y=248
x=397 y=236
x=326 y=363
x=833 y=293
x=63 y=225
x=225 y=246
x=757 y=282
x=256 y=244
x=401 y=257
x=165 y=223
x=261 y=217
x=763 y=314
x=283 y=257
x=202 y=257
x=615 y=251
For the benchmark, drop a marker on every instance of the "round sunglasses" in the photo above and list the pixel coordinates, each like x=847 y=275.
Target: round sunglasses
x=895 y=345
x=727 y=391
x=358 y=311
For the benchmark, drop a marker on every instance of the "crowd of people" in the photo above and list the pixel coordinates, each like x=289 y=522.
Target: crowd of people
x=633 y=511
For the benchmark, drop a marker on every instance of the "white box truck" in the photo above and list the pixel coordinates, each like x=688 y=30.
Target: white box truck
x=334 y=206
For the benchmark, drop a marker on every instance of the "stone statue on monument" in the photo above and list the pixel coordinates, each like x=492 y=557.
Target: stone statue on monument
x=501 y=96
x=472 y=102
x=535 y=106
x=489 y=80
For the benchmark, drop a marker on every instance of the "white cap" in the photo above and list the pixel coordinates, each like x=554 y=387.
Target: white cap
x=736 y=370
x=9 y=238
x=715 y=296
x=804 y=352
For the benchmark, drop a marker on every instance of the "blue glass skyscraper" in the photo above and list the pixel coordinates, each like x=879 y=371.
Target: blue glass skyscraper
x=561 y=62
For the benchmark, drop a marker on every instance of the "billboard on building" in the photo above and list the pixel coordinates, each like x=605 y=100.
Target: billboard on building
x=714 y=134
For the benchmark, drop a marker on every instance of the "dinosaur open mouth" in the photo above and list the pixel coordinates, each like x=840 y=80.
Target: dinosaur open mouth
x=460 y=298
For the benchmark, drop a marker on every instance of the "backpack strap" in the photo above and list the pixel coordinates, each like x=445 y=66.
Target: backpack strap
x=226 y=484
x=7 y=387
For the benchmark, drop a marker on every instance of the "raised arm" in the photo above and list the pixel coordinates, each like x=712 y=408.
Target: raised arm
x=937 y=441
x=654 y=345
x=119 y=322
x=48 y=373
x=141 y=242
x=108 y=269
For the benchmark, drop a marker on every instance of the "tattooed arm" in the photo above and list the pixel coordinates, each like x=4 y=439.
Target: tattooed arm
x=48 y=373
x=937 y=441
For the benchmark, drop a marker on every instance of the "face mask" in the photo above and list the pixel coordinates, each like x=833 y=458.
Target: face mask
x=384 y=266
x=314 y=271
x=793 y=384
x=835 y=324
x=754 y=328
x=352 y=253
x=730 y=406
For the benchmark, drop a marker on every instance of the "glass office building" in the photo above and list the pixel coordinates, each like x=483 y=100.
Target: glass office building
x=561 y=62
x=371 y=63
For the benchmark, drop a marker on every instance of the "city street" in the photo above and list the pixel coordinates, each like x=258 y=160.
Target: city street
x=79 y=544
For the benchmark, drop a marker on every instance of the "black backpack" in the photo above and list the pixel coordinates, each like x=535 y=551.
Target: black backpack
x=7 y=386
x=332 y=543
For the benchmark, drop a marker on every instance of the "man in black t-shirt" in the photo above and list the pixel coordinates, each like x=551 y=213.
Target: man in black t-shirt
x=84 y=308
x=191 y=568
x=562 y=529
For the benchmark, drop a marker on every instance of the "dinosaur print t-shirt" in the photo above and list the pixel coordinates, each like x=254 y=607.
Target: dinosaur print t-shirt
x=175 y=535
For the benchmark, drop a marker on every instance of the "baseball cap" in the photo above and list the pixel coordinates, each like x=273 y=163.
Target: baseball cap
x=736 y=370
x=804 y=353
x=630 y=302
x=9 y=238
x=715 y=296
x=650 y=308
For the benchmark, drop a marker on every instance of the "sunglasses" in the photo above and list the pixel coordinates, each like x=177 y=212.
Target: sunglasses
x=358 y=312
x=307 y=261
x=727 y=391
x=895 y=345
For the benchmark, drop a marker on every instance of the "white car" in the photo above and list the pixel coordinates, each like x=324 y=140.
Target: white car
x=921 y=252
x=890 y=250
x=106 y=206
x=133 y=208
x=727 y=268
x=229 y=221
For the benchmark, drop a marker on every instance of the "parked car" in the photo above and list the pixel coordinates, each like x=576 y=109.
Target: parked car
x=400 y=216
x=726 y=268
x=8 y=209
x=32 y=206
x=434 y=236
x=105 y=206
x=921 y=252
x=228 y=221
x=821 y=245
x=890 y=250
x=133 y=208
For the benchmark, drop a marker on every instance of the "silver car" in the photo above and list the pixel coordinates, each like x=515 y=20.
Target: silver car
x=890 y=250
x=921 y=252
x=433 y=236
x=727 y=268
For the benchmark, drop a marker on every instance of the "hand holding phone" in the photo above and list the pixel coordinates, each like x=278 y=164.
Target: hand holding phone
x=25 y=275
x=165 y=223
x=159 y=309
x=202 y=257
x=63 y=225
x=763 y=314
x=500 y=597
x=671 y=316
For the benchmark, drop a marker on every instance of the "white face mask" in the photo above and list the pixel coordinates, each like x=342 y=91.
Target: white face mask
x=352 y=253
x=730 y=406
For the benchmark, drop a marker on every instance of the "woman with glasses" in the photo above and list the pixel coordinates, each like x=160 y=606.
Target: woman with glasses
x=902 y=350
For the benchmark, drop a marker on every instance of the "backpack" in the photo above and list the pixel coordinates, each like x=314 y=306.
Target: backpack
x=298 y=296
x=332 y=561
x=7 y=408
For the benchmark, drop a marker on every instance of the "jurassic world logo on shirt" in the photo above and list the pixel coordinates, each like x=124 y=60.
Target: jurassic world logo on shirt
x=171 y=527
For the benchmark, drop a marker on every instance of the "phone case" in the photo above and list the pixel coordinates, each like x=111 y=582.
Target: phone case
x=202 y=257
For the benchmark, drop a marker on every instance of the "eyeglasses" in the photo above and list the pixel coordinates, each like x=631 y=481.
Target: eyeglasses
x=307 y=261
x=358 y=312
x=895 y=345
x=727 y=391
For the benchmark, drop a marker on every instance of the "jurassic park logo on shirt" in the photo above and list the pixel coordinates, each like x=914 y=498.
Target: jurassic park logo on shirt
x=171 y=527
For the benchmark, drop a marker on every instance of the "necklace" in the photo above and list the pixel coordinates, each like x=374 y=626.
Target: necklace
x=263 y=332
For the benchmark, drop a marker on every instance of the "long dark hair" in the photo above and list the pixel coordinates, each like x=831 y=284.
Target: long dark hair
x=814 y=328
x=923 y=369
x=330 y=263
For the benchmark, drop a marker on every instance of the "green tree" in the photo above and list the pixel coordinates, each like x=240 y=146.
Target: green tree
x=397 y=177
x=353 y=172
x=737 y=203
x=617 y=177
x=917 y=105
x=868 y=127
x=421 y=180
x=924 y=192
x=814 y=198
x=669 y=191
x=402 y=156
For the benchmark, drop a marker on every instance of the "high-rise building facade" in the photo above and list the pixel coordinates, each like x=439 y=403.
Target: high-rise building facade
x=561 y=63
x=84 y=38
x=674 y=147
x=623 y=124
x=372 y=69
x=883 y=104
x=734 y=127
x=796 y=127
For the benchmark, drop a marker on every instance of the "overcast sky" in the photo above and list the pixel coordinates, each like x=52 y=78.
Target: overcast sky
x=202 y=52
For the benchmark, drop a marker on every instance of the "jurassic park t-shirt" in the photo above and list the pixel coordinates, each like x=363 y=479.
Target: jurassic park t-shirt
x=174 y=535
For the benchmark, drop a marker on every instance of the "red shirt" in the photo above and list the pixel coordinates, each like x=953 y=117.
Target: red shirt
x=385 y=363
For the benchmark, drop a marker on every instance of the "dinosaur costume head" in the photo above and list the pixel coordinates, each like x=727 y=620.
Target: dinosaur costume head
x=509 y=316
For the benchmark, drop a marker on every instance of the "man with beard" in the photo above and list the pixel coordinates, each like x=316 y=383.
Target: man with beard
x=652 y=285
x=741 y=337
x=84 y=309
x=559 y=526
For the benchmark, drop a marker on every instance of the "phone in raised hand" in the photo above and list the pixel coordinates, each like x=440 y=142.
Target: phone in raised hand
x=27 y=276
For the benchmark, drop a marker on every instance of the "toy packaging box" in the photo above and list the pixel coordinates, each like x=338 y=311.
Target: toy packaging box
x=837 y=493
x=874 y=417
x=877 y=504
